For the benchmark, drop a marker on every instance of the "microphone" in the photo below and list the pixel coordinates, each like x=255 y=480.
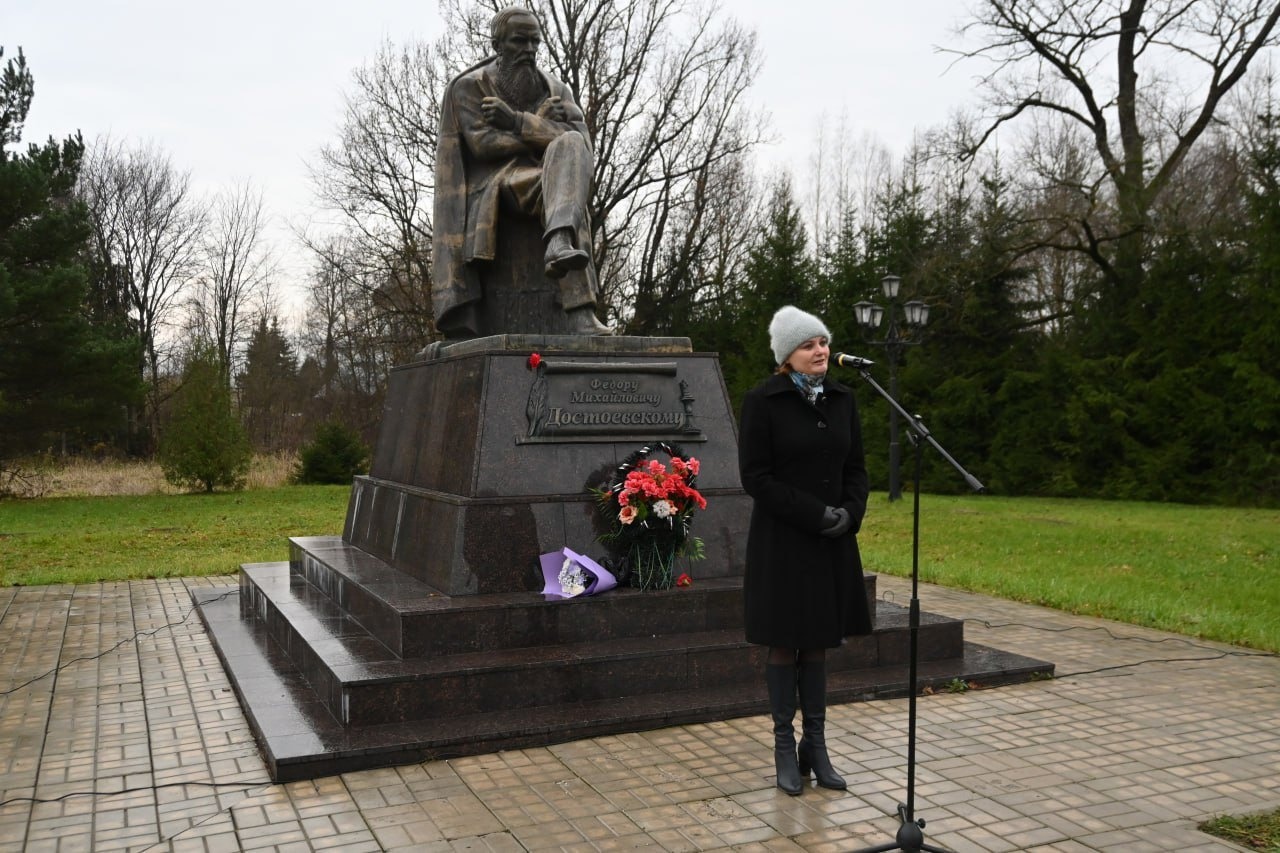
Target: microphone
x=851 y=360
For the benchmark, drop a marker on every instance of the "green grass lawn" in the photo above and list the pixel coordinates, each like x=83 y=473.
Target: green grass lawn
x=1255 y=832
x=1208 y=572
x=81 y=540
x=1203 y=571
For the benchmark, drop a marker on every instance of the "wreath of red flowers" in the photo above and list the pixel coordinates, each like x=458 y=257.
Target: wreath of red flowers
x=649 y=504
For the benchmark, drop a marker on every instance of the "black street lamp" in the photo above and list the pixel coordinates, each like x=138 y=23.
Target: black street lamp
x=897 y=337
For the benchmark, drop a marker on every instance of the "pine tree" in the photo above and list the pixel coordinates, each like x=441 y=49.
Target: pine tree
x=60 y=372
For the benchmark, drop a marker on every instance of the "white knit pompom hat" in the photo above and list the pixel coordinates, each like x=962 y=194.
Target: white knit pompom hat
x=790 y=328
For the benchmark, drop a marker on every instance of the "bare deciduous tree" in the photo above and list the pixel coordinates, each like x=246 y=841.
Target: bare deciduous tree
x=1141 y=80
x=349 y=336
x=147 y=228
x=694 y=259
x=845 y=174
x=378 y=177
x=236 y=269
x=662 y=84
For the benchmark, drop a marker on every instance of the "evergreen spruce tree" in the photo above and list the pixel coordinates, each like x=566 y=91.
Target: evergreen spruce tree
x=270 y=392
x=335 y=456
x=1254 y=454
x=896 y=240
x=779 y=271
x=977 y=336
x=902 y=231
x=846 y=277
x=203 y=445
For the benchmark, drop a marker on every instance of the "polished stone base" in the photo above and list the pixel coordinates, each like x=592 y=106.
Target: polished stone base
x=466 y=488
x=323 y=696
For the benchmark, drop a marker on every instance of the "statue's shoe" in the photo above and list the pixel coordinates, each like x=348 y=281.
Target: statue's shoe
x=559 y=263
x=583 y=321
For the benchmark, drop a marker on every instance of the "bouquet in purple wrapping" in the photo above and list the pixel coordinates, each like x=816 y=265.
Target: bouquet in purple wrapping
x=568 y=574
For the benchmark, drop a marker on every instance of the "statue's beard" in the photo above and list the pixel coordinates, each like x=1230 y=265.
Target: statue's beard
x=520 y=85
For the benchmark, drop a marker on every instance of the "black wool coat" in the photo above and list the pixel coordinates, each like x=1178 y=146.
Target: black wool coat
x=802 y=590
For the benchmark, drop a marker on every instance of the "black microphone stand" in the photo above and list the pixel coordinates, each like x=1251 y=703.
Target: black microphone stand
x=910 y=835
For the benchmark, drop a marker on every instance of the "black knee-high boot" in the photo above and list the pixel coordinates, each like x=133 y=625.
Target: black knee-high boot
x=813 y=744
x=781 y=679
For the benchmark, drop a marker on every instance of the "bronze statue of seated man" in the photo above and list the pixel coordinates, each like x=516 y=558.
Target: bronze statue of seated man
x=512 y=144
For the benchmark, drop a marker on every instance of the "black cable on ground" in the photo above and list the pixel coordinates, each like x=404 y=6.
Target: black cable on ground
x=151 y=632
x=1219 y=655
x=242 y=785
x=148 y=633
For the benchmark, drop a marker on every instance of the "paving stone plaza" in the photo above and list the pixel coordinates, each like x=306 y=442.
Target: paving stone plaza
x=1129 y=758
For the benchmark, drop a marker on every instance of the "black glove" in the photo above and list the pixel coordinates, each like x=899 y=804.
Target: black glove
x=836 y=522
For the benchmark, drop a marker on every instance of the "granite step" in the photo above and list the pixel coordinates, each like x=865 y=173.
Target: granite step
x=362 y=682
x=415 y=620
x=301 y=739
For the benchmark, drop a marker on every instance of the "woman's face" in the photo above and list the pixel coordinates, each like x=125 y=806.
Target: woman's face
x=810 y=357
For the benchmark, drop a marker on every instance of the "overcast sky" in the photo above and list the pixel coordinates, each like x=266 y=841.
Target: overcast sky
x=250 y=90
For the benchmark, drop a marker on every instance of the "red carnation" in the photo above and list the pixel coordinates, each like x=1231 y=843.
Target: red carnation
x=534 y=361
x=684 y=580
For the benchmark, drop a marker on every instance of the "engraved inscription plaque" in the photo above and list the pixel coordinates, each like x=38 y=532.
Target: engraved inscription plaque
x=610 y=401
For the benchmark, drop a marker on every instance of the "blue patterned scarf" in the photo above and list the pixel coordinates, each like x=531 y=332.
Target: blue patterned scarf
x=809 y=386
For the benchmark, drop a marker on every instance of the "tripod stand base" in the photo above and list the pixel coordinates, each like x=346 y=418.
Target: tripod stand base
x=910 y=837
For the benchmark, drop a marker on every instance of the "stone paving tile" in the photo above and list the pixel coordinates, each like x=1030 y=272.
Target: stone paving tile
x=1124 y=759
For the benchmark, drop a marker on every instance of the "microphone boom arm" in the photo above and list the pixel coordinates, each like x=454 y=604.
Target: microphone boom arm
x=917 y=426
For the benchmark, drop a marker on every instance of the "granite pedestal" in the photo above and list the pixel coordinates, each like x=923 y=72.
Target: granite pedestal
x=422 y=632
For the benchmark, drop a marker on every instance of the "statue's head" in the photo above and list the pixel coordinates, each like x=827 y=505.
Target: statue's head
x=515 y=35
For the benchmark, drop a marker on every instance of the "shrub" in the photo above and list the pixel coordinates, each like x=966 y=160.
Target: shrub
x=335 y=455
x=203 y=445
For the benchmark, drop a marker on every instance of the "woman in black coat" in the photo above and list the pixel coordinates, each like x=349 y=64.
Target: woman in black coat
x=801 y=459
